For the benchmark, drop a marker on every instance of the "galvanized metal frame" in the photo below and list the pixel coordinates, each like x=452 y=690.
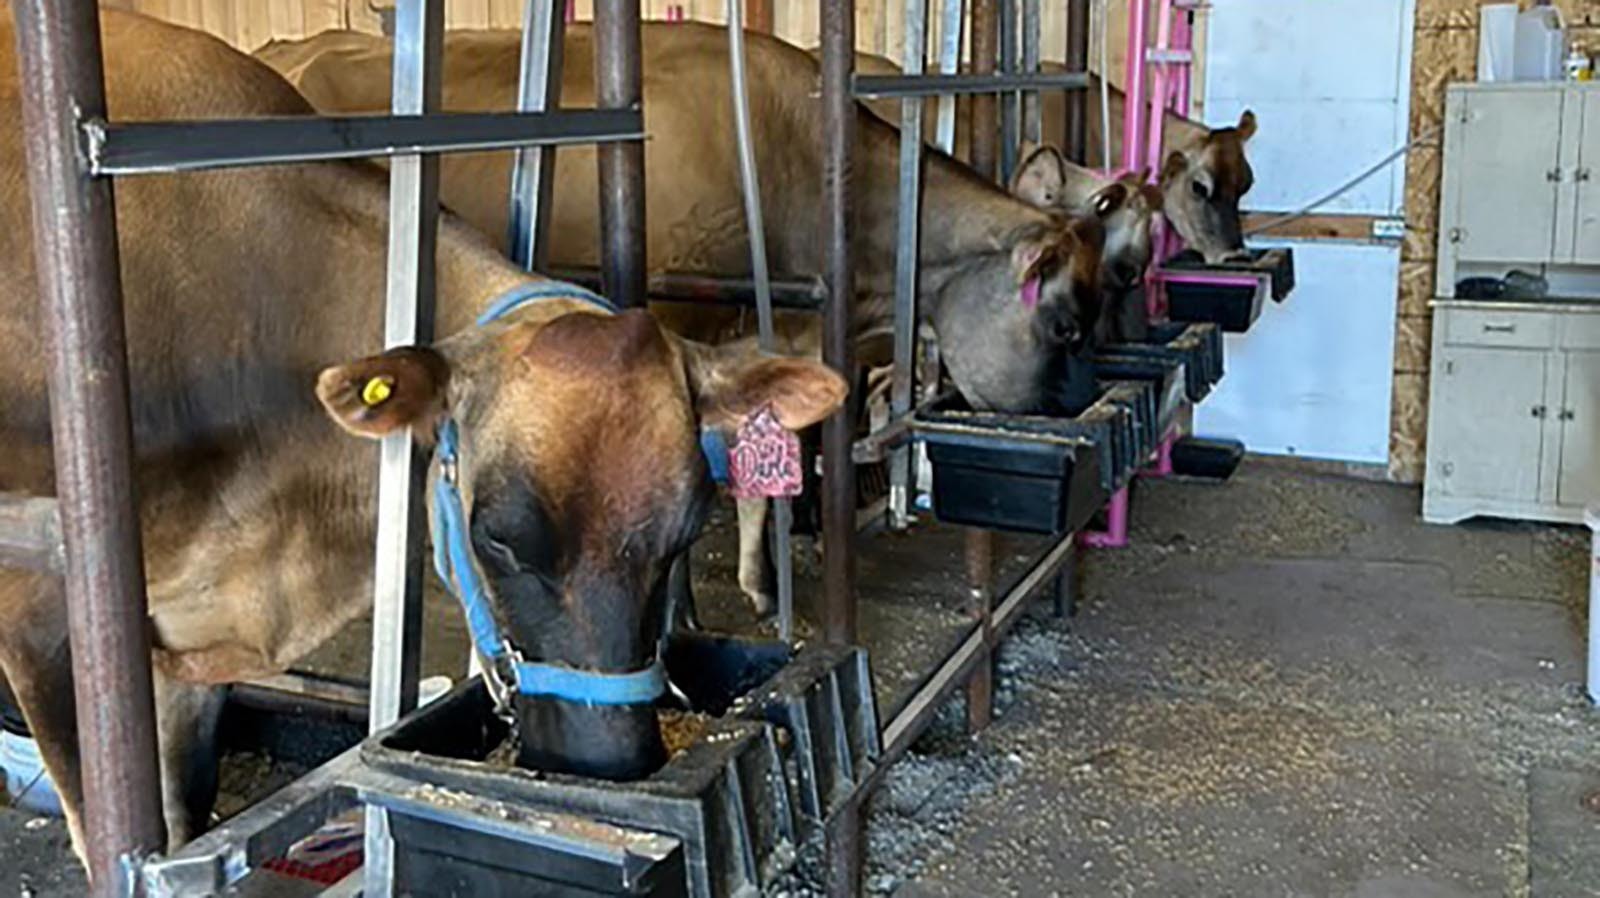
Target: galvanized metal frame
x=544 y=29
x=909 y=208
x=73 y=153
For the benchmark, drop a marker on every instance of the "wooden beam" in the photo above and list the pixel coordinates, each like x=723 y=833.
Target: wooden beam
x=1314 y=227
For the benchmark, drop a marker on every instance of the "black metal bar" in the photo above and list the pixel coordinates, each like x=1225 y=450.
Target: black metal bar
x=680 y=286
x=1010 y=103
x=619 y=84
x=838 y=473
x=137 y=148
x=30 y=533
x=980 y=552
x=75 y=253
x=985 y=131
x=1076 y=140
x=941 y=85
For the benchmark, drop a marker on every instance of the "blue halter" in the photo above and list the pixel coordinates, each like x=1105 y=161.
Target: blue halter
x=453 y=560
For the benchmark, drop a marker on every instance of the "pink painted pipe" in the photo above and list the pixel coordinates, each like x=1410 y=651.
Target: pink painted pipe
x=1115 y=536
x=1134 y=103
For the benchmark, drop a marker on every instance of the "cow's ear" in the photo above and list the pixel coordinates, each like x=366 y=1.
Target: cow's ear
x=1247 y=125
x=1109 y=198
x=1042 y=176
x=383 y=393
x=1177 y=163
x=732 y=382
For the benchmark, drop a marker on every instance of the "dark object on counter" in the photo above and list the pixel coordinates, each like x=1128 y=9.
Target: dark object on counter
x=1517 y=284
x=1480 y=288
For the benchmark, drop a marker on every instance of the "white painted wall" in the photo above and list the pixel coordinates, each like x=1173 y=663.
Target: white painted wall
x=1329 y=83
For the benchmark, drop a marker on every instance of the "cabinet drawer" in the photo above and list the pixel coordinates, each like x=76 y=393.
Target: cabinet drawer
x=1580 y=331
x=1482 y=327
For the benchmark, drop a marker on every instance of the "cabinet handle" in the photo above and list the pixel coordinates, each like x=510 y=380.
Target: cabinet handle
x=1581 y=174
x=1566 y=415
x=1553 y=176
x=1540 y=411
x=1456 y=235
x=1499 y=328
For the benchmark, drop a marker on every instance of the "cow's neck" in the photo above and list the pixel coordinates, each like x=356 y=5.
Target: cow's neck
x=966 y=221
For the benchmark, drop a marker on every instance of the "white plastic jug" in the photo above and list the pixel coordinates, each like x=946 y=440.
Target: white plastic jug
x=1497 y=41
x=1541 y=45
x=27 y=782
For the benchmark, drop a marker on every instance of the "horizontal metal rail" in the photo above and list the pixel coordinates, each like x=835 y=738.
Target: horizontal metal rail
x=30 y=533
x=874 y=446
x=946 y=85
x=801 y=294
x=137 y=148
x=903 y=730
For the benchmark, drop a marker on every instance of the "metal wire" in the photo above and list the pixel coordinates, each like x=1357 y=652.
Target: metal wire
x=1347 y=186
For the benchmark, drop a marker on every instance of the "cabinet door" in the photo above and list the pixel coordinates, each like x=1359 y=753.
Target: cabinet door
x=1585 y=248
x=1506 y=162
x=1579 y=416
x=1488 y=422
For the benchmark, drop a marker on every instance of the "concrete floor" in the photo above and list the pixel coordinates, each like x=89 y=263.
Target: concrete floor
x=1288 y=686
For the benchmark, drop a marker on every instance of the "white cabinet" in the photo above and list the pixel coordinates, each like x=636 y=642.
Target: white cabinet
x=1514 y=411
x=1518 y=185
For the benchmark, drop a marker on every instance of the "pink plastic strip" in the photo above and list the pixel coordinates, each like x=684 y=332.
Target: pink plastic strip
x=1115 y=536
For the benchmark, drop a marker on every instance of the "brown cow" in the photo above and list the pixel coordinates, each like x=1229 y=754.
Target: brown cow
x=980 y=246
x=580 y=469
x=1204 y=174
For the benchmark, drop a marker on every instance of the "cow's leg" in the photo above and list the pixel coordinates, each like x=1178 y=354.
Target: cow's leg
x=36 y=661
x=186 y=718
x=755 y=567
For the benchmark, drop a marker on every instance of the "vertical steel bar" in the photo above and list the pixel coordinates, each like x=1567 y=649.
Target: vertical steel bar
x=1076 y=138
x=533 y=174
x=80 y=295
x=980 y=582
x=1183 y=39
x=1133 y=106
x=750 y=187
x=845 y=840
x=408 y=319
x=985 y=152
x=1032 y=128
x=1011 y=102
x=838 y=473
x=950 y=23
x=903 y=382
x=619 y=84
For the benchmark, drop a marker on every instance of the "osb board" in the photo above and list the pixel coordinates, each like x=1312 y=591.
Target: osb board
x=1445 y=50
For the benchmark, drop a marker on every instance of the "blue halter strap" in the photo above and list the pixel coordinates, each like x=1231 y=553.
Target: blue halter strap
x=453 y=560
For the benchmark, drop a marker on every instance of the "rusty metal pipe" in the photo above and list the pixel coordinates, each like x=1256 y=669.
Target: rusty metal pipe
x=619 y=84
x=838 y=472
x=985 y=122
x=80 y=292
x=1076 y=138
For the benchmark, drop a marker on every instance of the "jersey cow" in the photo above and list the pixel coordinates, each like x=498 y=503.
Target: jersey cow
x=1203 y=176
x=1007 y=287
x=253 y=301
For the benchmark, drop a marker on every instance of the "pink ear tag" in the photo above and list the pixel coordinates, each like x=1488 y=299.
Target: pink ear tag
x=764 y=459
x=1030 y=293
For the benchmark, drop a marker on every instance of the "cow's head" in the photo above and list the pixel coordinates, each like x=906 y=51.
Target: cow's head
x=1203 y=185
x=581 y=478
x=1126 y=207
x=1006 y=320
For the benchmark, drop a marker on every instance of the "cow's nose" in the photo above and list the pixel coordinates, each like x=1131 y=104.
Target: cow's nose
x=1126 y=274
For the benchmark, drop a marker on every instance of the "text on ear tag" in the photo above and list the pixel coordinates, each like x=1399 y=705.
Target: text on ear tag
x=764 y=459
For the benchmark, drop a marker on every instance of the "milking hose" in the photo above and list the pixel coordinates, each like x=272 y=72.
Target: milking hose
x=1347 y=186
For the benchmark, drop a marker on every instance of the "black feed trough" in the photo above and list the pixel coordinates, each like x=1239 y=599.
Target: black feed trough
x=790 y=737
x=1197 y=346
x=1229 y=294
x=1165 y=375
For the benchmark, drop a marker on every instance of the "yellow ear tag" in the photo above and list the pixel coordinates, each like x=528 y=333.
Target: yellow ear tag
x=377 y=391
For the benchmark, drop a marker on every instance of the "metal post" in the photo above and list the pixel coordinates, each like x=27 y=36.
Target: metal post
x=409 y=320
x=1076 y=139
x=1032 y=126
x=1010 y=103
x=844 y=846
x=1134 y=102
x=909 y=208
x=838 y=472
x=984 y=137
x=75 y=254
x=619 y=84
x=533 y=174
x=949 y=64
x=980 y=580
